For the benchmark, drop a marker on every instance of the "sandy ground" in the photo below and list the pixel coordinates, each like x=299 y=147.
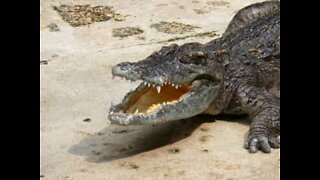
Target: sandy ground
x=76 y=84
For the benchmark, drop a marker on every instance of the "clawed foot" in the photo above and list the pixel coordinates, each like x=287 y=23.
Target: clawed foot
x=261 y=142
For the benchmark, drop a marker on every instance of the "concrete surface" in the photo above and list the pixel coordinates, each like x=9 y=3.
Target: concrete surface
x=76 y=84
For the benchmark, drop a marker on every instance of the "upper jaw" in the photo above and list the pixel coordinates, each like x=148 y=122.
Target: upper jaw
x=157 y=82
x=133 y=72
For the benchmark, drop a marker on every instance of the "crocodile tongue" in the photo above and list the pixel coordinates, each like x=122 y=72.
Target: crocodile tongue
x=146 y=105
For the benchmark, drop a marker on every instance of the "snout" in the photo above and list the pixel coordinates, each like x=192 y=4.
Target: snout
x=127 y=70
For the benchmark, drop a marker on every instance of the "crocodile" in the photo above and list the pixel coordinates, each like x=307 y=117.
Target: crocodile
x=237 y=73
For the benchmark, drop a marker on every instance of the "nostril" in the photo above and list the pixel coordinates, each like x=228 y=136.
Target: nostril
x=121 y=68
x=124 y=64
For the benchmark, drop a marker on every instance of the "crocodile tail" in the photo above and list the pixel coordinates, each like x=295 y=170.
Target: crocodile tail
x=251 y=13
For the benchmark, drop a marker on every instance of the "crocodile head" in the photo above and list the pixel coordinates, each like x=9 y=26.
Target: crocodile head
x=177 y=82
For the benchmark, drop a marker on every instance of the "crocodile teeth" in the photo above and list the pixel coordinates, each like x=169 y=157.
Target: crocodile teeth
x=165 y=83
x=172 y=85
x=149 y=85
x=137 y=111
x=158 y=89
x=177 y=86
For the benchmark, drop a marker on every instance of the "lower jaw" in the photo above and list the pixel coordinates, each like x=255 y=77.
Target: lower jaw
x=125 y=119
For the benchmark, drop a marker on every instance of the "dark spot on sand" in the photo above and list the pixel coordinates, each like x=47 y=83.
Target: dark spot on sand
x=87 y=120
x=130 y=164
x=100 y=133
x=174 y=150
x=44 y=62
x=204 y=138
x=204 y=129
x=133 y=165
x=119 y=131
x=123 y=149
x=96 y=153
x=53 y=27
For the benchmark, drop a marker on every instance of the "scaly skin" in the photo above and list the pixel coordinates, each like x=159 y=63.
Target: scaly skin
x=238 y=73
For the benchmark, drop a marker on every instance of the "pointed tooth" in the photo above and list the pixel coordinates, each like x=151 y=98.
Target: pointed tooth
x=158 y=89
x=172 y=85
x=137 y=111
x=176 y=86
x=149 y=84
x=145 y=83
x=153 y=85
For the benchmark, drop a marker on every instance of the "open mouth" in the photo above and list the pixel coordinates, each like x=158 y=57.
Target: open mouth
x=151 y=104
x=152 y=98
x=147 y=98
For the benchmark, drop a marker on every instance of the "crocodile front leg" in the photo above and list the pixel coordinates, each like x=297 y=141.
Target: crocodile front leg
x=264 y=109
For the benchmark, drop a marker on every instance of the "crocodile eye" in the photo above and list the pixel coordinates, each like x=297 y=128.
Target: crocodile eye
x=185 y=59
x=174 y=45
x=165 y=50
x=196 y=57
